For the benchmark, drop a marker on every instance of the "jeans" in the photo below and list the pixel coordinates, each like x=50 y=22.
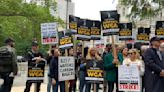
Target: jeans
x=88 y=87
x=62 y=86
x=49 y=85
x=28 y=86
x=82 y=80
x=8 y=82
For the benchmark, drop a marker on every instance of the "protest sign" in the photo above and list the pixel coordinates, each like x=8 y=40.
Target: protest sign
x=66 y=68
x=84 y=31
x=65 y=42
x=110 y=20
x=143 y=34
x=125 y=32
x=96 y=30
x=128 y=78
x=49 y=34
x=73 y=23
x=35 y=74
x=159 y=29
x=94 y=72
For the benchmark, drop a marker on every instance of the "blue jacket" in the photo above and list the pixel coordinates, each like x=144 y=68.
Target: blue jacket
x=54 y=68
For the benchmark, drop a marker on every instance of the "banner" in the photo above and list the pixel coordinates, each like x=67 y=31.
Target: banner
x=73 y=23
x=143 y=34
x=159 y=29
x=35 y=74
x=84 y=32
x=110 y=20
x=96 y=30
x=65 y=42
x=94 y=72
x=49 y=34
x=125 y=32
x=66 y=68
x=129 y=78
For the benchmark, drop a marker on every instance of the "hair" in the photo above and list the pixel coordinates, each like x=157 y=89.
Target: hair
x=96 y=54
x=136 y=53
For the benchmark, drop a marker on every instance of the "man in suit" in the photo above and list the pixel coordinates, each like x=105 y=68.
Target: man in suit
x=154 y=67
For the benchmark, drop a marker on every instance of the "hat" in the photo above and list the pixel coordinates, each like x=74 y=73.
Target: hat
x=154 y=39
x=35 y=43
x=8 y=40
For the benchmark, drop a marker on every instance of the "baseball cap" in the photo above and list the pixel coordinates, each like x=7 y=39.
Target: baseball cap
x=34 y=43
x=8 y=40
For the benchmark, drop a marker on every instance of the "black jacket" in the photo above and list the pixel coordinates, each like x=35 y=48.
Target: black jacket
x=153 y=67
x=54 y=68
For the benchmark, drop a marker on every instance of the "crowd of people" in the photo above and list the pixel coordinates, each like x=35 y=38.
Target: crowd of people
x=149 y=60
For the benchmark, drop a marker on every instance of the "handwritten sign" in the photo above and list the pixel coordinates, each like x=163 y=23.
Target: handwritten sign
x=66 y=68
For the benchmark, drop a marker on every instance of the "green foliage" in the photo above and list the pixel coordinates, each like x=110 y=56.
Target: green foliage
x=143 y=8
x=21 y=21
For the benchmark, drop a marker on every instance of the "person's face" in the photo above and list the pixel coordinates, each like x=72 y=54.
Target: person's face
x=12 y=44
x=56 y=53
x=93 y=51
x=71 y=52
x=132 y=55
x=35 y=48
x=156 y=43
x=125 y=51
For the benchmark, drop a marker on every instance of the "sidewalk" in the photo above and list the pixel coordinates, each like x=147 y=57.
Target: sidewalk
x=21 y=88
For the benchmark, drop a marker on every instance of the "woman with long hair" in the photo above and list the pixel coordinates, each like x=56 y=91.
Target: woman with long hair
x=93 y=57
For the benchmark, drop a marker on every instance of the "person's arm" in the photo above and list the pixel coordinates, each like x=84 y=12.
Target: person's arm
x=53 y=68
x=142 y=67
x=108 y=62
x=14 y=63
x=149 y=61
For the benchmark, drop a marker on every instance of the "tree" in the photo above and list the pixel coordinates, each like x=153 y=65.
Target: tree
x=21 y=21
x=144 y=8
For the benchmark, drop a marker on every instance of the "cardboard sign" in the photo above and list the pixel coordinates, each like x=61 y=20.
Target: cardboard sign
x=94 y=72
x=73 y=23
x=96 y=30
x=35 y=74
x=110 y=20
x=129 y=78
x=49 y=34
x=84 y=32
x=143 y=34
x=65 y=42
x=66 y=68
x=125 y=32
x=159 y=29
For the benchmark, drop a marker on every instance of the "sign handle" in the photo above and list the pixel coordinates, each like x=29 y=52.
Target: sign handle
x=95 y=87
x=67 y=81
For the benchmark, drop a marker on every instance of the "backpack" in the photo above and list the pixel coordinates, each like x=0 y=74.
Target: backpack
x=5 y=56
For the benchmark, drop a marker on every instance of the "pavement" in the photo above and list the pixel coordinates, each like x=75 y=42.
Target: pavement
x=20 y=80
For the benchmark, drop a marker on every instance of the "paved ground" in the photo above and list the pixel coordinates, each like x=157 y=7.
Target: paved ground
x=20 y=80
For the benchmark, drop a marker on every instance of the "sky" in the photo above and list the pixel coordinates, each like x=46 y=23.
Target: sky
x=90 y=9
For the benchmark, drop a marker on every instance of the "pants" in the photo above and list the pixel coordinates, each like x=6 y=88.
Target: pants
x=111 y=86
x=28 y=86
x=49 y=85
x=62 y=86
x=82 y=80
x=72 y=86
x=88 y=87
x=8 y=82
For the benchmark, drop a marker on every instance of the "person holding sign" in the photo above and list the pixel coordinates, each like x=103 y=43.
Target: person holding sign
x=94 y=57
x=111 y=69
x=54 y=72
x=135 y=60
x=35 y=60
